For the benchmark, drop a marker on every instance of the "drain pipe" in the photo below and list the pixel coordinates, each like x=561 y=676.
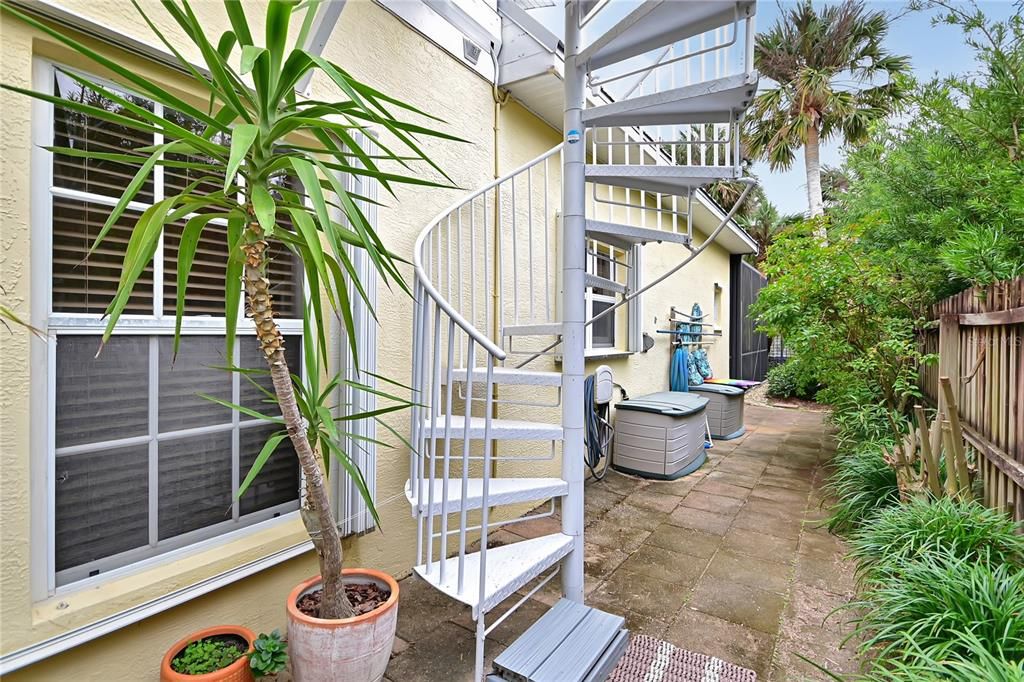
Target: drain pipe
x=500 y=99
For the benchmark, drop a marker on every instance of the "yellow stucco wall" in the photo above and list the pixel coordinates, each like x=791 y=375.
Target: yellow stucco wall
x=365 y=43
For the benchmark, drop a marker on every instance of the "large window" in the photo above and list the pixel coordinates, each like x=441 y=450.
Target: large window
x=139 y=463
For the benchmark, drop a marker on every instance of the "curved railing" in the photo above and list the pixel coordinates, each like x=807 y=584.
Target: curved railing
x=485 y=262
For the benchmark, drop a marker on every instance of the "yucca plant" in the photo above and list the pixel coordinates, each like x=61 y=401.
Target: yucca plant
x=259 y=142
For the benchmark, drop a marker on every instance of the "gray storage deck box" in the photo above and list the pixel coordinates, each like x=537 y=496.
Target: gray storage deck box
x=725 y=409
x=660 y=435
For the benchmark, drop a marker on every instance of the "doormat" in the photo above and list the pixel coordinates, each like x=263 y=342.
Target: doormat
x=651 y=660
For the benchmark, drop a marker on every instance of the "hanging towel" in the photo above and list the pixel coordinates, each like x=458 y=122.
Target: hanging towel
x=691 y=370
x=678 y=375
x=700 y=357
x=696 y=318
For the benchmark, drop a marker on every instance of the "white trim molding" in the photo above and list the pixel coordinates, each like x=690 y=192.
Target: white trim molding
x=34 y=653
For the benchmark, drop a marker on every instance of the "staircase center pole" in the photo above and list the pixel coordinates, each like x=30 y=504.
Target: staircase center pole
x=573 y=303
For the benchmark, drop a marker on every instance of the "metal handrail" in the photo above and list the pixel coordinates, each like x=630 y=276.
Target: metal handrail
x=424 y=278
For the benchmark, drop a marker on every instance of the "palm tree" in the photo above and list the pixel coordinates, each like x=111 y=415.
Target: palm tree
x=826 y=64
x=266 y=163
x=764 y=224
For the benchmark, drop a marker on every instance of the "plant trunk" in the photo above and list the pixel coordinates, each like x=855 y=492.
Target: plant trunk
x=813 y=163
x=317 y=516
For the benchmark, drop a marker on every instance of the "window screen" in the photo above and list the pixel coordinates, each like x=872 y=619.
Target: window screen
x=143 y=463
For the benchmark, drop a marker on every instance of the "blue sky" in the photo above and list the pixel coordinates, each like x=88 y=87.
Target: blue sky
x=932 y=50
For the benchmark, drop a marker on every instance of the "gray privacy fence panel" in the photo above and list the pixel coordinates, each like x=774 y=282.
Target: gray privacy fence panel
x=748 y=352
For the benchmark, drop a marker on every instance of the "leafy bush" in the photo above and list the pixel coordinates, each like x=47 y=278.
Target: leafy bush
x=270 y=654
x=790 y=380
x=965 y=530
x=934 y=598
x=207 y=655
x=864 y=484
x=970 y=661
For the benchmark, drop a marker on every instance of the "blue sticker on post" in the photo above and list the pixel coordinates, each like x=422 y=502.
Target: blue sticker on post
x=573 y=136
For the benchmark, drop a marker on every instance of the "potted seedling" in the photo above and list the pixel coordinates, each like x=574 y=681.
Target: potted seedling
x=217 y=654
x=266 y=165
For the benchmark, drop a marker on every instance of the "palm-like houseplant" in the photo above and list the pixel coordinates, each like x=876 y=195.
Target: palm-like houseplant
x=258 y=140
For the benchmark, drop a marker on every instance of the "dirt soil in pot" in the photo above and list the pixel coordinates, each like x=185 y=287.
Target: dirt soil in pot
x=364 y=598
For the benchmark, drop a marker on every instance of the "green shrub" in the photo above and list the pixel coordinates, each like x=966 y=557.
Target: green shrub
x=929 y=601
x=863 y=484
x=973 y=663
x=790 y=380
x=963 y=530
x=206 y=656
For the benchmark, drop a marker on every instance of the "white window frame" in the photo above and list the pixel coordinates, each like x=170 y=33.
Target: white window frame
x=593 y=297
x=44 y=577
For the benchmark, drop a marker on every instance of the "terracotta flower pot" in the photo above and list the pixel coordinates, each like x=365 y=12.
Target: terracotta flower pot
x=239 y=671
x=353 y=649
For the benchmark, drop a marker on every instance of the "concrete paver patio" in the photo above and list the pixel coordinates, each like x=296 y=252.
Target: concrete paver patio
x=728 y=561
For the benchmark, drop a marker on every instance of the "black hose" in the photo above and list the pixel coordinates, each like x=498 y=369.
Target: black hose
x=598 y=432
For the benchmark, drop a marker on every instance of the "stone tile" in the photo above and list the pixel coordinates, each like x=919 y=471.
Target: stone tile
x=684 y=541
x=776 y=494
x=639 y=624
x=600 y=561
x=610 y=533
x=598 y=500
x=832 y=576
x=790 y=667
x=782 y=527
x=706 y=634
x=535 y=528
x=742 y=464
x=619 y=483
x=781 y=510
x=760 y=573
x=663 y=564
x=791 y=481
x=732 y=478
x=634 y=517
x=824 y=546
x=717 y=504
x=422 y=607
x=816 y=616
x=760 y=544
x=679 y=487
x=399 y=647
x=715 y=487
x=737 y=603
x=446 y=653
x=647 y=596
x=653 y=500
x=697 y=519
x=513 y=626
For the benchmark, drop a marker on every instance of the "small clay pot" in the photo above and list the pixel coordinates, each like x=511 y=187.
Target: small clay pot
x=353 y=649
x=239 y=671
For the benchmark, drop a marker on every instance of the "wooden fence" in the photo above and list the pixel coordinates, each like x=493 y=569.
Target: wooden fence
x=978 y=337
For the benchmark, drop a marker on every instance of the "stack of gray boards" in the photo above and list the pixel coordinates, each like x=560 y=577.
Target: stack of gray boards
x=660 y=435
x=725 y=409
x=570 y=643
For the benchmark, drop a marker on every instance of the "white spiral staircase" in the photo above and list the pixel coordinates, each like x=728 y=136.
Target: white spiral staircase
x=501 y=284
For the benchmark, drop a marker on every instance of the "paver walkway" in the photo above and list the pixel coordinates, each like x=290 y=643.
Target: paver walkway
x=727 y=561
